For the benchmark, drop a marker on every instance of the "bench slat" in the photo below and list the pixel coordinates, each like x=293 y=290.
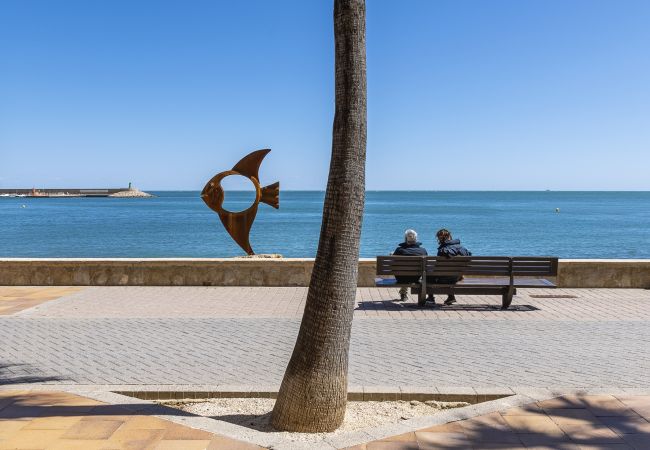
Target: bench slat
x=498 y=274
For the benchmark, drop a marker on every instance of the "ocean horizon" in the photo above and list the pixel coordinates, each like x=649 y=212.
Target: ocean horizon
x=566 y=224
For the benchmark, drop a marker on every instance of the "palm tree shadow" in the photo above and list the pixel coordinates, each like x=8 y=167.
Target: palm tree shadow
x=573 y=425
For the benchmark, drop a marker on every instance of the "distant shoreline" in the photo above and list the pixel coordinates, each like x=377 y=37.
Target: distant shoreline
x=128 y=192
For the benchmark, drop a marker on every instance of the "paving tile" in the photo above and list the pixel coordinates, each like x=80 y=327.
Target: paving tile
x=627 y=424
x=493 y=436
x=34 y=439
x=607 y=406
x=180 y=432
x=531 y=409
x=497 y=446
x=493 y=421
x=642 y=411
x=182 y=445
x=384 y=445
x=356 y=447
x=564 y=402
x=52 y=423
x=135 y=439
x=428 y=440
x=102 y=427
x=451 y=427
x=9 y=427
x=88 y=428
x=80 y=444
x=143 y=423
x=533 y=424
x=401 y=437
x=571 y=418
x=222 y=442
x=23 y=412
x=638 y=441
x=591 y=435
x=606 y=447
x=550 y=441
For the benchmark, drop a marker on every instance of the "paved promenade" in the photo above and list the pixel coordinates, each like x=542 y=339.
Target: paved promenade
x=242 y=337
x=35 y=420
x=87 y=341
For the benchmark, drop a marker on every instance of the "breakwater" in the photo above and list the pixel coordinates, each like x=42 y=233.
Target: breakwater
x=572 y=273
x=58 y=193
x=101 y=192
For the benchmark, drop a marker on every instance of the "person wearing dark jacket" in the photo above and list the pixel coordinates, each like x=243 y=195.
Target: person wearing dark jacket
x=410 y=247
x=449 y=247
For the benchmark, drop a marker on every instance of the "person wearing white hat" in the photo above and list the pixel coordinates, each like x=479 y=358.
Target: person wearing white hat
x=410 y=247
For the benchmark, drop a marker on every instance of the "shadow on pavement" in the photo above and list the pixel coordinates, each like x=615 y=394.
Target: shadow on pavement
x=19 y=373
x=397 y=305
x=567 y=423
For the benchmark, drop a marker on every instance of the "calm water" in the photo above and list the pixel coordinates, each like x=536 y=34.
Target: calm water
x=178 y=224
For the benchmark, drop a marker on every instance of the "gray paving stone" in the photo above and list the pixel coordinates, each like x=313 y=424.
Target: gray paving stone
x=384 y=352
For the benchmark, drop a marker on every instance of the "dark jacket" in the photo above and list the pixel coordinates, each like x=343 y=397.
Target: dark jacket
x=449 y=249
x=453 y=248
x=406 y=249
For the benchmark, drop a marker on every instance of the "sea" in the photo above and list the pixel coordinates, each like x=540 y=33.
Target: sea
x=179 y=224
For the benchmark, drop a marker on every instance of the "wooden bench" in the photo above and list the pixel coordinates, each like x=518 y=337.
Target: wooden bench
x=481 y=275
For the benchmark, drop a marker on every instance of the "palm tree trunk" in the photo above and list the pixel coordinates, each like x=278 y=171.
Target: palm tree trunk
x=313 y=394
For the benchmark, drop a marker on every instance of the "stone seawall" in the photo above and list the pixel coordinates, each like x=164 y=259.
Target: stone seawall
x=573 y=273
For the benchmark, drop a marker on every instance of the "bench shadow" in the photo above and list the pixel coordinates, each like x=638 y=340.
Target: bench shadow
x=21 y=373
x=397 y=305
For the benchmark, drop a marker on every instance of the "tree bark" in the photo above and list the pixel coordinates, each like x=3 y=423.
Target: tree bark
x=313 y=394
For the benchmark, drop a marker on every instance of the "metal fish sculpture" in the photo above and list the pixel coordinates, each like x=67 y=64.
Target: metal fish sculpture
x=238 y=224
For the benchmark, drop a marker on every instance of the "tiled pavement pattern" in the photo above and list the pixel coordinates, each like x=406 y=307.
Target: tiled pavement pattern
x=61 y=421
x=180 y=336
x=567 y=423
x=16 y=299
x=287 y=302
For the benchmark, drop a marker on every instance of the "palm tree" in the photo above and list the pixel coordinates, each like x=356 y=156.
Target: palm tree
x=313 y=394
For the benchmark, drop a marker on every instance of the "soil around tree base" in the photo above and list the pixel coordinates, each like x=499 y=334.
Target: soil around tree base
x=255 y=413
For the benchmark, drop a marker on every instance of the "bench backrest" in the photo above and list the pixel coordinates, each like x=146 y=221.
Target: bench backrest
x=400 y=265
x=440 y=266
x=534 y=266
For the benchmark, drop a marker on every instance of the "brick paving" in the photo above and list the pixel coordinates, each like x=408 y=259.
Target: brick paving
x=567 y=423
x=53 y=420
x=288 y=302
x=16 y=299
x=238 y=337
x=244 y=336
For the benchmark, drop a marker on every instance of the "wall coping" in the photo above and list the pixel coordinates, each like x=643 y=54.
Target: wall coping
x=264 y=260
x=572 y=273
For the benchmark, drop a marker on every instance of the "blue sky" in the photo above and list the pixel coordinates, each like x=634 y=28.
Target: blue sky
x=461 y=94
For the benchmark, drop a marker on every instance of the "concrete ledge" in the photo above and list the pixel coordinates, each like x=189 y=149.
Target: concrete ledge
x=370 y=393
x=573 y=273
x=604 y=273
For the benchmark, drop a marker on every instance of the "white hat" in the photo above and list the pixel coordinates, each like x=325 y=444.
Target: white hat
x=410 y=236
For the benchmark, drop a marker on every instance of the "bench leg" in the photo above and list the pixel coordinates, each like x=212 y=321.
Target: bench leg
x=506 y=299
x=422 y=297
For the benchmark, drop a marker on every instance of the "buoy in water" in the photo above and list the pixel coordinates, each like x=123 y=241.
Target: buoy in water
x=557 y=210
